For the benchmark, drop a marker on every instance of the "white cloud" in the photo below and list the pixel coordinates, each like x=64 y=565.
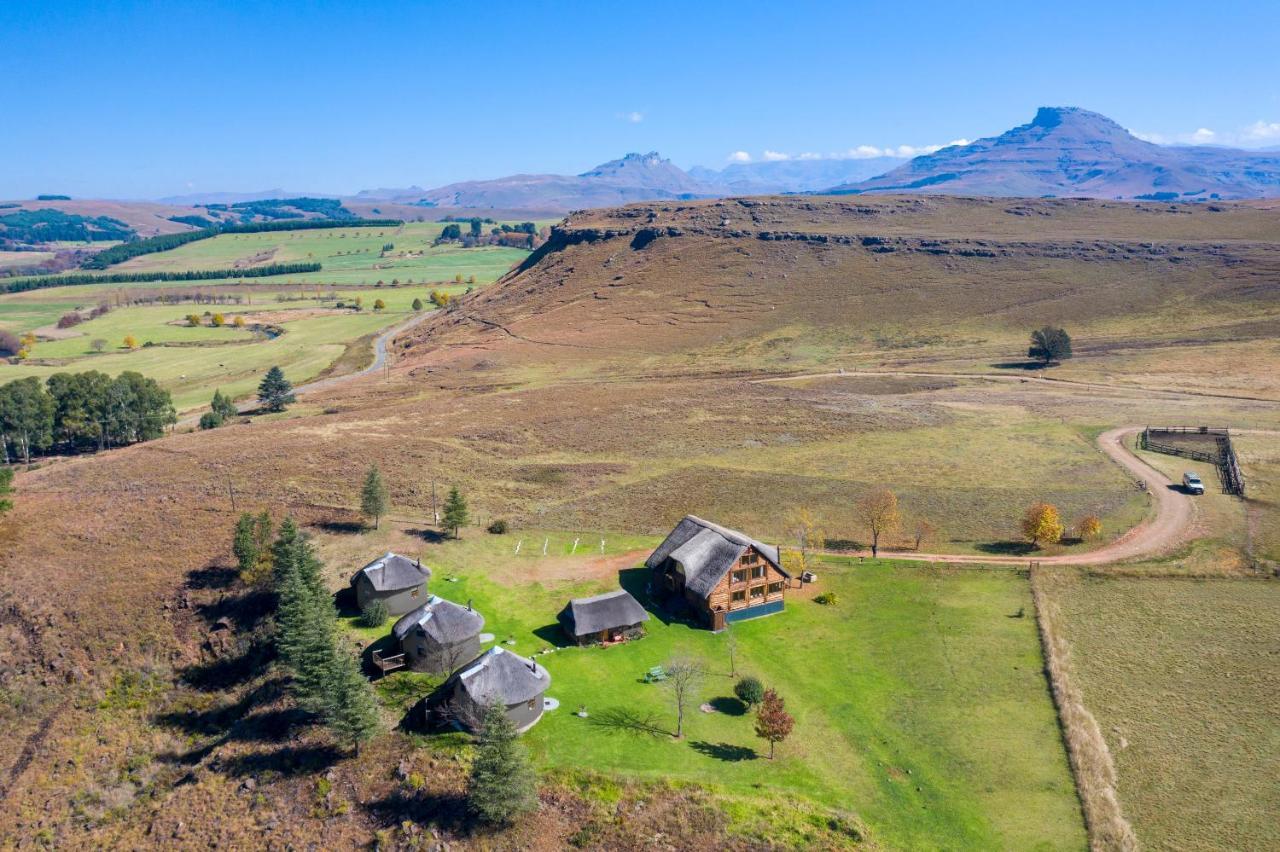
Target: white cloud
x=774 y=156
x=860 y=152
x=1262 y=131
x=634 y=116
x=739 y=157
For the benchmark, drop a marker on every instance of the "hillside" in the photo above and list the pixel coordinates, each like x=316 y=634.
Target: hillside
x=791 y=175
x=1067 y=151
x=610 y=384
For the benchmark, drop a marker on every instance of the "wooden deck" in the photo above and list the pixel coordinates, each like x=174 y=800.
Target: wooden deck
x=387 y=663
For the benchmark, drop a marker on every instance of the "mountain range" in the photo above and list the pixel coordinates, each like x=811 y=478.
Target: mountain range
x=1067 y=151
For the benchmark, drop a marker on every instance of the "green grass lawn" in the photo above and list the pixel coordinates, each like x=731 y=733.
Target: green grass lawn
x=919 y=699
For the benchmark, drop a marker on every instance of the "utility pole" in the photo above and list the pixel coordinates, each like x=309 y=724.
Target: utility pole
x=435 y=516
x=232 y=492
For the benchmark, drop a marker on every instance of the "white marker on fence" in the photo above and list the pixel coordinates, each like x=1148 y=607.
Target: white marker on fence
x=602 y=545
x=545 y=542
x=518 y=543
x=575 y=546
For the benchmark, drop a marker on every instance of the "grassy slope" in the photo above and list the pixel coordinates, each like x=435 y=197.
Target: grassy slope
x=920 y=702
x=1181 y=675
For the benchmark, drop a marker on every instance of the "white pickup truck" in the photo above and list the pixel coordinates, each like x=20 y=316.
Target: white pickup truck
x=1191 y=483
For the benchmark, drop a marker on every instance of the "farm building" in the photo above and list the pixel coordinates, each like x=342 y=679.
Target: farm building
x=610 y=617
x=397 y=581
x=496 y=676
x=439 y=635
x=719 y=573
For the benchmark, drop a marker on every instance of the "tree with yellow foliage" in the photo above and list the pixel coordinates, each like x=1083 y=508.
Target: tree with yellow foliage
x=1042 y=525
x=878 y=512
x=238 y=322
x=808 y=535
x=130 y=342
x=1088 y=528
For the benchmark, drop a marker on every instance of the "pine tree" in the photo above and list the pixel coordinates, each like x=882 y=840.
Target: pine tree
x=456 y=514
x=374 y=497
x=245 y=544
x=223 y=406
x=275 y=392
x=502 y=784
x=352 y=711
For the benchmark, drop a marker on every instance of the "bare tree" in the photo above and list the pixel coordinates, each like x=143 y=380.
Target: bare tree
x=731 y=648
x=923 y=531
x=683 y=679
x=878 y=511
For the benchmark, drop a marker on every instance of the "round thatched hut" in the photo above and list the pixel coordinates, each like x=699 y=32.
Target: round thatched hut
x=495 y=677
x=439 y=635
x=398 y=581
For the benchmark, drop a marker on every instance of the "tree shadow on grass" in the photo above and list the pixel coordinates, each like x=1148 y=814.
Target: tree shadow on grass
x=627 y=720
x=429 y=536
x=211 y=577
x=1006 y=548
x=228 y=672
x=288 y=761
x=340 y=527
x=725 y=751
x=636 y=583
x=1021 y=365
x=444 y=810
x=729 y=706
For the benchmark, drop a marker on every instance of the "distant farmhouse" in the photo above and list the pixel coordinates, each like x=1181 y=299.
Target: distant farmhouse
x=718 y=573
x=495 y=677
x=397 y=581
x=438 y=636
x=603 y=619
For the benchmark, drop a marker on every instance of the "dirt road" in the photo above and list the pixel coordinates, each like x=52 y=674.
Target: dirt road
x=1170 y=526
x=380 y=356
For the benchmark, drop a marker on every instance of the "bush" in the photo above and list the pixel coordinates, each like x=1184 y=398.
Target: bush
x=827 y=599
x=210 y=420
x=498 y=527
x=750 y=691
x=373 y=614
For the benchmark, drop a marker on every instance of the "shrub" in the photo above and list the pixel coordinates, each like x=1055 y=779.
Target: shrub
x=827 y=599
x=210 y=420
x=218 y=320
x=498 y=527
x=9 y=344
x=373 y=614
x=68 y=320
x=1088 y=528
x=749 y=690
x=193 y=320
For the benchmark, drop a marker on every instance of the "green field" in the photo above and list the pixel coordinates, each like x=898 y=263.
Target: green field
x=192 y=361
x=919 y=699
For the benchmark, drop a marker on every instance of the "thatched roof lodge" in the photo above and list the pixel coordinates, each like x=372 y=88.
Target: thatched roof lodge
x=611 y=617
x=439 y=635
x=495 y=677
x=397 y=581
x=720 y=574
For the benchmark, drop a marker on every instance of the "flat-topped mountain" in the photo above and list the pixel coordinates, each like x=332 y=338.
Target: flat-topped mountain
x=1067 y=151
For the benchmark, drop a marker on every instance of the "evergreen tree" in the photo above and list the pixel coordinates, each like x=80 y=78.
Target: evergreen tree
x=456 y=514
x=374 y=497
x=417 y=304
x=6 y=488
x=502 y=785
x=245 y=544
x=275 y=392
x=352 y=708
x=223 y=406
x=209 y=420
x=306 y=623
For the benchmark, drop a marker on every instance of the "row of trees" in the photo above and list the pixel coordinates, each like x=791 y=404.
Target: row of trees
x=326 y=678
x=75 y=411
x=375 y=499
x=24 y=284
x=684 y=680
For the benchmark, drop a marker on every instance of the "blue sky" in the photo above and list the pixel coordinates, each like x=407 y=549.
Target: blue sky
x=140 y=100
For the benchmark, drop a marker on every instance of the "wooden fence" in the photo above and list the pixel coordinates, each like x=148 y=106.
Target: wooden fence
x=1223 y=456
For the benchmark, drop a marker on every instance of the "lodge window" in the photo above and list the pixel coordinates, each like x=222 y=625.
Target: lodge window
x=739 y=595
x=775 y=588
x=413 y=594
x=740 y=576
x=533 y=702
x=757 y=572
x=749 y=557
x=757 y=591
